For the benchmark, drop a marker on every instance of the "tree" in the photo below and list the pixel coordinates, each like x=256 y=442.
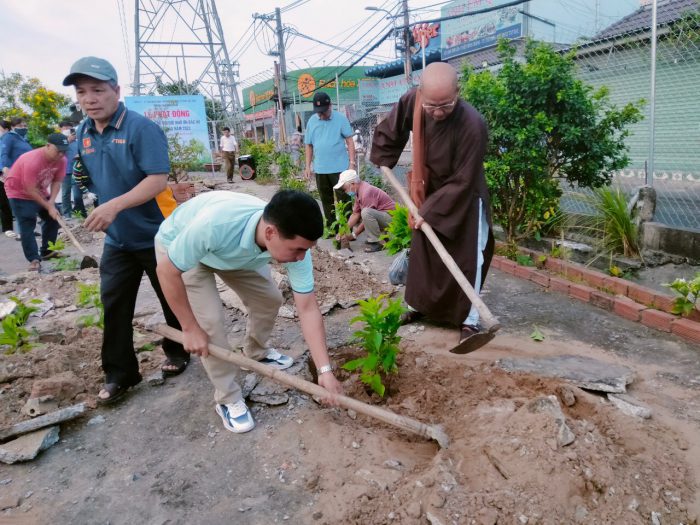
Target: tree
x=544 y=125
x=28 y=98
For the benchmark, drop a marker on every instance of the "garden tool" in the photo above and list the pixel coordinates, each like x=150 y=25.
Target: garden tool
x=486 y=318
x=88 y=261
x=408 y=424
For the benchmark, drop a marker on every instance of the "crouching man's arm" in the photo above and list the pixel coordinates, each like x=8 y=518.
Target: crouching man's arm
x=195 y=340
x=315 y=336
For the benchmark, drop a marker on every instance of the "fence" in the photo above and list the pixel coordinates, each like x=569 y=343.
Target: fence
x=621 y=60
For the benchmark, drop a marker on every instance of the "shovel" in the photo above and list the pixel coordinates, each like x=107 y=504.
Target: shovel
x=486 y=318
x=435 y=432
x=87 y=262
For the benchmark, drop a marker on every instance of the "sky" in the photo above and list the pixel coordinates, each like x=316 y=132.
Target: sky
x=43 y=38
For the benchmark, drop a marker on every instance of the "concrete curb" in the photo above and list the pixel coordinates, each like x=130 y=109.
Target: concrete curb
x=624 y=298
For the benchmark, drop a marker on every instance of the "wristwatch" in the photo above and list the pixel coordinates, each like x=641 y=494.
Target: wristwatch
x=354 y=235
x=324 y=369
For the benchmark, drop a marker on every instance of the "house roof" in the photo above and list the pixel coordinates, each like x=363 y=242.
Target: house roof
x=667 y=11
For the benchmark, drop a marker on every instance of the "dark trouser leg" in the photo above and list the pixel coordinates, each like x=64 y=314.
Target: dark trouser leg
x=26 y=213
x=325 y=183
x=49 y=231
x=230 y=157
x=5 y=210
x=120 y=277
x=78 y=204
x=172 y=349
x=66 y=206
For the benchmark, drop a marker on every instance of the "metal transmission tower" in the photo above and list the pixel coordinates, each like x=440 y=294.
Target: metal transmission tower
x=180 y=44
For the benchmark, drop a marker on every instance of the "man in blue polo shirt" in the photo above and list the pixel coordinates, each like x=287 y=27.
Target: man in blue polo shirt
x=330 y=147
x=124 y=159
x=235 y=236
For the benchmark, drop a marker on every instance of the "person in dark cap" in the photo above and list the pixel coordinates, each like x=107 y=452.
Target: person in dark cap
x=32 y=186
x=329 y=146
x=123 y=158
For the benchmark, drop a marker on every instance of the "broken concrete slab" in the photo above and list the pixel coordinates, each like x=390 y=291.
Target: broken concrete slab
x=38 y=406
x=270 y=393
x=26 y=447
x=584 y=372
x=249 y=383
x=550 y=405
x=630 y=406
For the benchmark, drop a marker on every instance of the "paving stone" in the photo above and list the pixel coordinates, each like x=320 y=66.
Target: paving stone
x=630 y=406
x=584 y=372
x=26 y=447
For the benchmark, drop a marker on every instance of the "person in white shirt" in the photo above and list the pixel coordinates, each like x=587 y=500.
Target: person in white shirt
x=229 y=148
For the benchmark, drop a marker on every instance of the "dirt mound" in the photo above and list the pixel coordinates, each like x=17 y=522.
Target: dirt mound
x=507 y=462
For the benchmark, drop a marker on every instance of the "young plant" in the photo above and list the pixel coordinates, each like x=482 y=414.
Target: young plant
x=14 y=335
x=524 y=260
x=398 y=233
x=66 y=264
x=688 y=291
x=89 y=297
x=381 y=318
x=57 y=246
x=340 y=225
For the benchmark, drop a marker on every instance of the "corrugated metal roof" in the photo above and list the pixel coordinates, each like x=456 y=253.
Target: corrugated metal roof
x=667 y=11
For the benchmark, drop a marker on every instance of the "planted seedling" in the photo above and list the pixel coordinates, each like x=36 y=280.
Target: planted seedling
x=66 y=264
x=57 y=246
x=381 y=319
x=340 y=225
x=398 y=232
x=89 y=297
x=14 y=335
x=688 y=291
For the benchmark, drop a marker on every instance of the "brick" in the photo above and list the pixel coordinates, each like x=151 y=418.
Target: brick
x=657 y=319
x=572 y=271
x=663 y=302
x=593 y=278
x=540 y=278
x=524 y=272
x=580 y=291
x=641 y=294
x=496 y=261
x=616 y=285
x=602 y=300
x=627 y=308
x=508 y=266
x=687 y=329
x=557 y=284
x=554 y=265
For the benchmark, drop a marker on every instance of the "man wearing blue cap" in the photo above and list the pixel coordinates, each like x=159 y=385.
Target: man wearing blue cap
x=124 y=158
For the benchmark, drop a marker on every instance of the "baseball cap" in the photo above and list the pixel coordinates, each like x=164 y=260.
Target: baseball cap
x=59 y=140
x=97 y=68
x=345 y=177
x=321 y=102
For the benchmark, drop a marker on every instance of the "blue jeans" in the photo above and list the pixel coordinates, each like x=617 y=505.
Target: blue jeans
x=26 y=213
x=66 y=208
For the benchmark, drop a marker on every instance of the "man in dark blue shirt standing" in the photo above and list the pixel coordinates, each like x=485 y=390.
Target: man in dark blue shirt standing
x=125 y=162
x=13 y=144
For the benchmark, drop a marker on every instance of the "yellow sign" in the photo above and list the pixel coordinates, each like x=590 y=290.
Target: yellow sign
x=306 y=85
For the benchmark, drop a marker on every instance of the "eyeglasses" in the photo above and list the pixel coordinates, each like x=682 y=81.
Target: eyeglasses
x=443 y=107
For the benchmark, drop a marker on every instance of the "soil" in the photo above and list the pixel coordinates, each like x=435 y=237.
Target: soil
x=162 y=456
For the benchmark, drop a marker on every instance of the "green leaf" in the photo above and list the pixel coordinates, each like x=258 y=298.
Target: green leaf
x=536 y=335
x=354 y=364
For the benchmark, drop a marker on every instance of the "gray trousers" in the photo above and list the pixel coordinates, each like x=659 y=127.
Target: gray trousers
x=375 y=222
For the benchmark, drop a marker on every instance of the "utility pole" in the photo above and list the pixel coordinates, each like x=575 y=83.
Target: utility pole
x=283 y=73
x=406 y=44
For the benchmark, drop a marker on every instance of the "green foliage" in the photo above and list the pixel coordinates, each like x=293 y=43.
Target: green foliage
x=264 y=156
x=66 y=264
x=381 y=318
x=398 y=233
x=340 y=225
x=613 y=225
x=57 y=246
x=184 y=156
x=89 y=297
x=78 y=215
x=13 y=334
x=544 y=125
x=28 y=98
x=536 y=334
x=688 y=291
x=524 y=260
x=288 y=173
x=508 y=250
x=370 y=175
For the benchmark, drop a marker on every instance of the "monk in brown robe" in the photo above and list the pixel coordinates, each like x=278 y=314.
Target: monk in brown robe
x=448 y=185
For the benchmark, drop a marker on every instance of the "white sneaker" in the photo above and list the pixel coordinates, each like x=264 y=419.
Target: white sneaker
x=276 y=360
x=11 y=234
x=236 y=417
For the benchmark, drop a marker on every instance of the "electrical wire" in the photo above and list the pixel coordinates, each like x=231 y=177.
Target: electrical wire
x=125 y=37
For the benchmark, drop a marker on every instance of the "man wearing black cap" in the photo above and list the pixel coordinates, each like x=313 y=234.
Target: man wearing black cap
x=124 y=160
x=329 y=145
x=32 y=186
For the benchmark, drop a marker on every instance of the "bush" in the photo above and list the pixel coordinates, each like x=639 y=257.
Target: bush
x=398 y=233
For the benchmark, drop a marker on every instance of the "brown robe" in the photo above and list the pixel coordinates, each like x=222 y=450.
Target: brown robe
x=454 y=157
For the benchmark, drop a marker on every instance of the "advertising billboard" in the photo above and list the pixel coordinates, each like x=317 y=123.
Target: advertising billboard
x=181 y=115
x=473 y=32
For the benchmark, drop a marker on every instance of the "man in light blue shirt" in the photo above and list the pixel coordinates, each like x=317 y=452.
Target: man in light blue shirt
x=330 y=146
x=235 y=236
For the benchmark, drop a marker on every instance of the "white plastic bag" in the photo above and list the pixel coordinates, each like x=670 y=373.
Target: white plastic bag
x=398 y=271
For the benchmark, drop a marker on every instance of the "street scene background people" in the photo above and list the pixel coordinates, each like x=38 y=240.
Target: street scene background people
x=449 y=187
x=6 y=220
x=329 y=150
x=133 y=201
x=235 y=236
x=71 y=196
x=32 y=187
x=370 y=209
x=229 y=149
